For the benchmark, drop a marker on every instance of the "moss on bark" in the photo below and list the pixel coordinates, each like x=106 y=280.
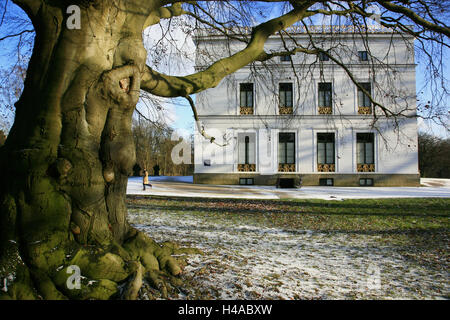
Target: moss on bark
x=67 y=158
x=68 y=155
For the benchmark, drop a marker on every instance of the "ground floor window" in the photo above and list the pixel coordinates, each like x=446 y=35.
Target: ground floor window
x=286 y=152
x=365 y=152
x=325 y=152
x=246 y=152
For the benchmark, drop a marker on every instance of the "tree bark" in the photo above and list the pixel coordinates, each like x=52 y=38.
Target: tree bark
x=70 y=151
x=67 y=158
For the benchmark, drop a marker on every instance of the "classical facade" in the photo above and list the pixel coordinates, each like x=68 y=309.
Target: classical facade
x=301 y=117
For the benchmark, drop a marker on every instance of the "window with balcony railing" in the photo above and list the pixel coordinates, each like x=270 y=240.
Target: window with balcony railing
x=324 y=98
x=246 y=98
x=364 y=103
x=365 y=152
x=285 y=104
x=325 y=152
x=286 y=152
x=246 y=153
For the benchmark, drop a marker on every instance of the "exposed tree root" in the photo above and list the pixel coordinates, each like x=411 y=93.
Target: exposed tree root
x=135 y=284
x=112 y=272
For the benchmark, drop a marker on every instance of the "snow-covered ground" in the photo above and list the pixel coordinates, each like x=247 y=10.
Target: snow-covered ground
x=433 y=182
x=183 y=179
x=183 y=187
x=249 y=260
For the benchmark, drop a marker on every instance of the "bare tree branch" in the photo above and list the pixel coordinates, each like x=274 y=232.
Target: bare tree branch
x=16 y=34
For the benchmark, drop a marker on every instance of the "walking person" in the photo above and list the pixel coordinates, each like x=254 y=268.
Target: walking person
x=145 y=181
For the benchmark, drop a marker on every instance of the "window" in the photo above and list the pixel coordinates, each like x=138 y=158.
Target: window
x=323 y=56
x=366 y=182
x=286 y=148
x=326 y=182
x=363 y=99
x=325 y=148
x=285 y=94
x=363 y=56
x=246 y=152
x=246 y=95
x=207 y=163
x=325 y=94
x=286 y=183
x=246 y=181
x=247 y=142
x=365 y=148
x=285 y=58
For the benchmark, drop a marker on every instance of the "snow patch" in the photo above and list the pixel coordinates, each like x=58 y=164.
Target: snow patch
x=183 y=187
x=253 y=261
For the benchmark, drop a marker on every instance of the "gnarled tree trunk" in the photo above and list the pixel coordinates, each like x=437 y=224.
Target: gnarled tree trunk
x=65 y=164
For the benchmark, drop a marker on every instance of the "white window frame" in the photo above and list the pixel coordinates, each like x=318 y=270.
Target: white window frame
x=355 y=150
x=236 y=148
x=336 y=148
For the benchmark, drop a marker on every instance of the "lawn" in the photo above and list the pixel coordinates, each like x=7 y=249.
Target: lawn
x=305 y=249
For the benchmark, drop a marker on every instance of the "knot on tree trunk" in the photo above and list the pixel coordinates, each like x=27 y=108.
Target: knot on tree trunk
x=125 y=84
x=60 y=168
x=108 y=174
x=122 y=84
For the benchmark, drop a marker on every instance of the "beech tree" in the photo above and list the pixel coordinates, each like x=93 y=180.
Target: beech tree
x=66 y=160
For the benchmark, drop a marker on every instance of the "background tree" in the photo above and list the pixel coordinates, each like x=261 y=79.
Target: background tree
x=434 y=156
x=2 y=138
x=70 y=150
x=154 y=146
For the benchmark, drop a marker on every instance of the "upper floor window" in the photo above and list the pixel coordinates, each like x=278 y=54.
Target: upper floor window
x=285 y=94
x=363 y=56
x=364 y=103
x=246 y=90
x=285 y=58
x=325 y=94
x=246 y=98
x=286 y=152
x=324 y=98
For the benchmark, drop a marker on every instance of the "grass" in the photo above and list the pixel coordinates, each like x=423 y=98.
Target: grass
x=355 y=215
x=412 y=231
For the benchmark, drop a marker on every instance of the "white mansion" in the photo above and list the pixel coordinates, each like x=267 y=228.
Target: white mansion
x=301 y=117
